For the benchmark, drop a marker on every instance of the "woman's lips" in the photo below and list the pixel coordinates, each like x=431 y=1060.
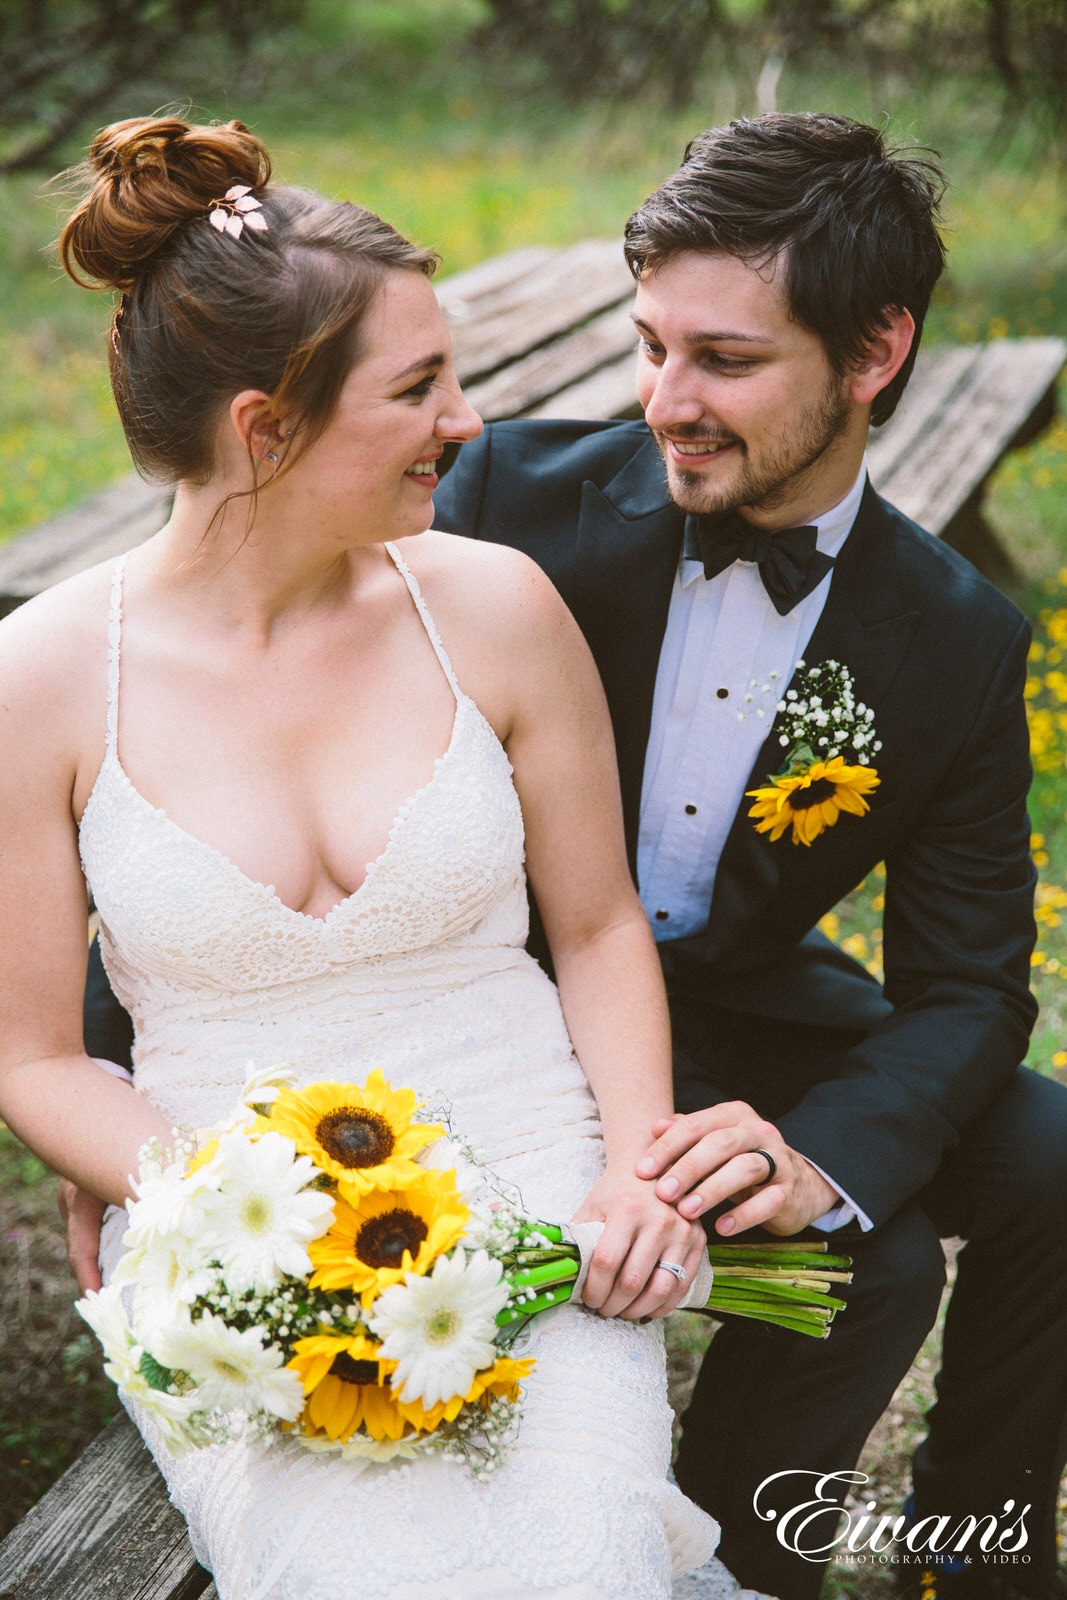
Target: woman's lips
x=424 y=472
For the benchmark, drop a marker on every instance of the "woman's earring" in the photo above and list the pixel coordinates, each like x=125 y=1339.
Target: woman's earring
x=271 y=456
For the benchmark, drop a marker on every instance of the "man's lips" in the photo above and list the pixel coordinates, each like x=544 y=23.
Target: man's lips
x=694 y=452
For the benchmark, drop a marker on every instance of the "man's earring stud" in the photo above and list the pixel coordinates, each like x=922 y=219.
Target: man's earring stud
x=271 y=456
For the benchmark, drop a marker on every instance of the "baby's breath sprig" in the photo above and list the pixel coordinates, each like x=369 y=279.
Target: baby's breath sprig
x=820 y=718
x=828 y=737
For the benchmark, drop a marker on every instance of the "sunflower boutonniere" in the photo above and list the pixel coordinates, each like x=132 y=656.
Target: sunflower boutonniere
x=827 y=735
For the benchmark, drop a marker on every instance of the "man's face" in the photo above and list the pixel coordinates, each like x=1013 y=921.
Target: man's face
x=741 y=399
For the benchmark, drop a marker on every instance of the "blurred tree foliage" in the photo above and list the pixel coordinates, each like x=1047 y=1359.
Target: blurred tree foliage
x=64 y=63
x=62 y=60
x=613 y=47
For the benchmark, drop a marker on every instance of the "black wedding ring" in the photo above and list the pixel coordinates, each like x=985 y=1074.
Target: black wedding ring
x=772 y=1167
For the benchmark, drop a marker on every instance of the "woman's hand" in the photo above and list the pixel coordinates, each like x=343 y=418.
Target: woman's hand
x=83 y=1215
x=640 y=1230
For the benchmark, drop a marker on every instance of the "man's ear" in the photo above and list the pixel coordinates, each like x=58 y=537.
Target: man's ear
x=883 y=358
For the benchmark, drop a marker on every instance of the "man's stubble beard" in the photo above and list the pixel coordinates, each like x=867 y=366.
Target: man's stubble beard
x=781 y=477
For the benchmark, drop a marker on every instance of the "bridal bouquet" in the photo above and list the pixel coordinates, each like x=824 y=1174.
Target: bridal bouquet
x=335 y=1265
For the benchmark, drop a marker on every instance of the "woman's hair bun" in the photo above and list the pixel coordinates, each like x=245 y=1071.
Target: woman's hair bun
x=143 y=178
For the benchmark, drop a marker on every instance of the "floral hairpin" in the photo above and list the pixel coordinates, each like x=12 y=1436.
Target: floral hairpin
x=237 y=207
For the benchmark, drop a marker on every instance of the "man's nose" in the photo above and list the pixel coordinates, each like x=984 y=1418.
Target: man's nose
x=671 y=397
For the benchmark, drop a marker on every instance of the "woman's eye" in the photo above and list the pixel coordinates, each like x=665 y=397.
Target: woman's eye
x=420 y=390
x=728 y=364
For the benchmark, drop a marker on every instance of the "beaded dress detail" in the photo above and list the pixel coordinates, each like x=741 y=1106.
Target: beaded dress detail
x=421 y=972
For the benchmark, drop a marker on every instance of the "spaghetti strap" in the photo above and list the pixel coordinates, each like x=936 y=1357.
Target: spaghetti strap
x=114 y=646
x=427 y=621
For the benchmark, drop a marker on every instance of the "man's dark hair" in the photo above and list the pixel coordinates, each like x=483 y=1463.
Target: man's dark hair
x=854 y=219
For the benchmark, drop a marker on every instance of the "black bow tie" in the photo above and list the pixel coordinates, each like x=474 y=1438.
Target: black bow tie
x=789 y=563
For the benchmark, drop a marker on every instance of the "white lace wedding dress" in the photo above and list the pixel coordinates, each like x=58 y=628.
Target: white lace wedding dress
x=421 y=972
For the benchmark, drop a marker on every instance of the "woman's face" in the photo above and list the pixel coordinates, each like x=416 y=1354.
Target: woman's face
x=372 y=473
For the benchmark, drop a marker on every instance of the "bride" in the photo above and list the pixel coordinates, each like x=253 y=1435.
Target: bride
x=297 y=745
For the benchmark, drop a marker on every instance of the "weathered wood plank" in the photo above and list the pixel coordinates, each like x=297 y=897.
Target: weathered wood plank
x=102 y=526
x=607 y=393
x=554 y=297
x=470 y=292
x=516 y=388
x=105 y=1531
x=978 y=401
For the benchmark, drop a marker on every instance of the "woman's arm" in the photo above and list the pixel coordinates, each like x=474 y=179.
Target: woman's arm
x=79 y=1120
x=558 y=738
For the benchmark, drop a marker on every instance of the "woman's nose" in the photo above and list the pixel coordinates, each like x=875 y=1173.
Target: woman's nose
x=457 y=419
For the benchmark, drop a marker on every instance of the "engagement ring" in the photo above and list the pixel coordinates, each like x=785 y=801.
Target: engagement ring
x=672 y=1266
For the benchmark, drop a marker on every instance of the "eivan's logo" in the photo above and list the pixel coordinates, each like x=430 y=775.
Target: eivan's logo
x=815 y=1528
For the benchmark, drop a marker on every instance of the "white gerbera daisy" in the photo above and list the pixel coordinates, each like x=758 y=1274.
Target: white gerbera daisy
x=168 y=1203
x=263 y=1085
x=439 y=1327
x=105 y=1313
x=262 y=1217
x=232 y=1370
x=172 y=1415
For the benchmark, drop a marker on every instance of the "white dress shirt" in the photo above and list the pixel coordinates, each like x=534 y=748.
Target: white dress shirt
x=724 y=664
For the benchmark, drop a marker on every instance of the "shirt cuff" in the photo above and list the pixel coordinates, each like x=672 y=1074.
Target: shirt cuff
x=845 y=1210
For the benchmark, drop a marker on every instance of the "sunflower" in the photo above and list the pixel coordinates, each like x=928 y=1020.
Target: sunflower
x=812 y=799
x=376 y=1241
x=362 y=1137
x=502 y=1378
x=347 y=1386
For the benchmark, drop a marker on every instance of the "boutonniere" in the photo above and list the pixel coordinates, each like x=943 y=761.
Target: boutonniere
x=827 y=735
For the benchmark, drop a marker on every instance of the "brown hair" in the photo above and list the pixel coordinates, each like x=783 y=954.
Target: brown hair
x=854 y=219
x=203 y=315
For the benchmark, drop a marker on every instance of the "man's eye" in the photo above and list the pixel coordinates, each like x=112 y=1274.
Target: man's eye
x=730 y=363
x=647 y=348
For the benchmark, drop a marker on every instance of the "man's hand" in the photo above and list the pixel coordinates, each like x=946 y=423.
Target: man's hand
x=82 y=1214
x=639 y=1231
x=709 y=1156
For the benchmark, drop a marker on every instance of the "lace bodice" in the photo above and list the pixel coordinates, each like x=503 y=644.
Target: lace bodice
x=451 y=872
x=421 y=972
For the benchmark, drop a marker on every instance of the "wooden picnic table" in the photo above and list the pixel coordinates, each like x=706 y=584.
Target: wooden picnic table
x=537 y=333
x=547 y=333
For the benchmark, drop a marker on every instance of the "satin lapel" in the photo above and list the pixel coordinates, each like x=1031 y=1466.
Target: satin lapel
x=865 y=626
x=626 y=555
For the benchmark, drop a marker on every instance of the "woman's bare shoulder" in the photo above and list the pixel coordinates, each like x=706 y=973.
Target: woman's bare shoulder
x=51 y=645
x=501 y=588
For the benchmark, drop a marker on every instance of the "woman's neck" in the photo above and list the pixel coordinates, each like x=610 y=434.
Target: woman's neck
x=250 y=561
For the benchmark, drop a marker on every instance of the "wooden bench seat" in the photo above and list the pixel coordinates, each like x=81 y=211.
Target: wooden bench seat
x=104 y=1531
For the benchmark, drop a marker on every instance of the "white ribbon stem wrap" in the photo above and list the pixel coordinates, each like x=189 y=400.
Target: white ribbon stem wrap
x=586 y=1234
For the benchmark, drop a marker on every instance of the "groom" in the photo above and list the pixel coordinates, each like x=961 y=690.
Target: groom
x=782 y=278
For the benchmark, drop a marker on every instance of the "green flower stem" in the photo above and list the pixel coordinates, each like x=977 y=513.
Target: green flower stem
x=782 y=1283
x=561 y=1270
x=547 y=1230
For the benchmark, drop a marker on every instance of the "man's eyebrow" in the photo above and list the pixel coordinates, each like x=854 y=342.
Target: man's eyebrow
x=438 y=359
x=710 y=336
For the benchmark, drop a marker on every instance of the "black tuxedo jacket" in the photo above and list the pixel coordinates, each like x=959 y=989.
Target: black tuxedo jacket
x=941 y=657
